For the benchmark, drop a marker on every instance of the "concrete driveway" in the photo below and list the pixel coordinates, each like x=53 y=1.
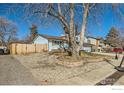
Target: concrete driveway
x=12 y=72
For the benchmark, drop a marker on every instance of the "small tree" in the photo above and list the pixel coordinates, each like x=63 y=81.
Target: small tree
x=113 y=37
x=33 y=31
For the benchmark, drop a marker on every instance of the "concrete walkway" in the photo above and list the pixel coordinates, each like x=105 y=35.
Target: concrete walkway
x=12 y=72
x=92 y=77
x=120 y=81
x=108 y=54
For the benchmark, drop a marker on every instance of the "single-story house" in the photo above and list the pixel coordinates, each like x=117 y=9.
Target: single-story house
x=53 y=42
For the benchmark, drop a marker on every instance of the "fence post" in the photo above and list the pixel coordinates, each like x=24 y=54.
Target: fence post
x=15 y=48
x=26 y=48
x=35 y=48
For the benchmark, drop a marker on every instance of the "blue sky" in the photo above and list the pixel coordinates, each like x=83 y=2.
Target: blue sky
x=108 y=20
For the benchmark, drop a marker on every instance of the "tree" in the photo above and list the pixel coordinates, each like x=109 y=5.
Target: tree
x=70 y=26
x=33 y=31
x=66 y=14
x=8 y=31
x=113 y=37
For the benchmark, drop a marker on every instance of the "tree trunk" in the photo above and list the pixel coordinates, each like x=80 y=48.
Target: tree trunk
x=85 y=16
x=70 y=29
x=73 y=44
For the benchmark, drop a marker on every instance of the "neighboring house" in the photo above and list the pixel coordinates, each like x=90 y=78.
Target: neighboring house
x=98 y=44
x=53 y=42
x=91 y=44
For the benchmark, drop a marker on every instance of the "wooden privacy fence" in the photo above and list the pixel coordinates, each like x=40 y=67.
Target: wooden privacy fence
x=27 y=48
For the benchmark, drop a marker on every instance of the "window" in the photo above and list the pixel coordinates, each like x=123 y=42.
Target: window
x=56 y=42
x=100 y=41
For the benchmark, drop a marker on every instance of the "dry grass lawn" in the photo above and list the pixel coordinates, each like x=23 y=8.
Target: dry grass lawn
x=46 y=69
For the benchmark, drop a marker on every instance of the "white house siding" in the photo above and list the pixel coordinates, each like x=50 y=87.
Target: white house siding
x=40 y=40
x=54 y=46
x=50 y=45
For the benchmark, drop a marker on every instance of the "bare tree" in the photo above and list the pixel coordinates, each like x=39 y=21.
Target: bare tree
x=70 y=27
x=8 y=31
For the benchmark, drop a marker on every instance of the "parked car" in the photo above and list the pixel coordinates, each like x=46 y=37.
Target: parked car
x=4 y=50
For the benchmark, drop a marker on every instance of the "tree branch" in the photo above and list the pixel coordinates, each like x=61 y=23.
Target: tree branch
x=57 y=15
x=59 y=9
x=92 y=6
